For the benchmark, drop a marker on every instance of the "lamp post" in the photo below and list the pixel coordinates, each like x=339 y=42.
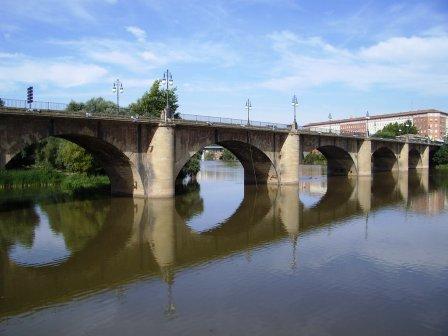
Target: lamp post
x=118 y=89
x=330 y=117
x=167 y=81
x=367 y=123
x=295 y=103
x=248 y=108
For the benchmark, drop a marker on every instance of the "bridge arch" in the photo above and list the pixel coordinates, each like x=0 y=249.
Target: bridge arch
x=258 y=167
x=384 y=159
x=123 y=175
x=339 y=156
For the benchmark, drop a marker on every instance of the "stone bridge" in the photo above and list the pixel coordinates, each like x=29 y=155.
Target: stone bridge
x=144 y=158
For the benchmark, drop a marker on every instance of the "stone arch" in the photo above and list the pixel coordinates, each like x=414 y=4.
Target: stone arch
x=384 y=159
x=339 y=161
x=415 y=158
x=258 y=167
x=123 y=175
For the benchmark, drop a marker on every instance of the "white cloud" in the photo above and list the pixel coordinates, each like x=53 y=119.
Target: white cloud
x=412 y=49
x=62 y=73
x=138 y=33
x=143 y=55
x=410 y=63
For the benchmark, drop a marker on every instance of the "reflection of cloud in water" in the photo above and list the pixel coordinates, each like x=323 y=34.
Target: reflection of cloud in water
x=217 y=179
x=48 y=247
x=311 y=190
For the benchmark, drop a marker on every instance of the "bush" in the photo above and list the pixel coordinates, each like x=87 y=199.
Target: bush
x=315 y=159
x=441 y=156
x=228 y=155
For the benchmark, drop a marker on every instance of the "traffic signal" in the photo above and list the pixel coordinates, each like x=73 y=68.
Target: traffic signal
x=29 y=95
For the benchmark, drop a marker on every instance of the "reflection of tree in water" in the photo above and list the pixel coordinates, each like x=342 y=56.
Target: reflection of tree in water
x=189 y=203
x=77 y=221
x=17 y=224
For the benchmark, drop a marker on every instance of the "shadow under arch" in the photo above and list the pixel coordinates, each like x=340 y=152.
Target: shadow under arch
x=258 y=167
x=122 y=173
x=383 y=160
x=415 y=159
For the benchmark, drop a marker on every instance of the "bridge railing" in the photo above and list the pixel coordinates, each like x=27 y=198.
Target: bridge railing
x=125 y=113
x=38 y=105
x=231 y=121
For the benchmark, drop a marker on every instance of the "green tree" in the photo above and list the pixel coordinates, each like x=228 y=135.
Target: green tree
x=228 y=155
x=152 y=103
x=395 y=129
x=441 y=156
x=75 y=159
x=47 y=152
x=74 y=106
x=2 y=103
x=192 y=167
x=93 y=105
x=314 y=158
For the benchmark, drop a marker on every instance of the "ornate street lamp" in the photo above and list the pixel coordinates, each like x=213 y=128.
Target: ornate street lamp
x=295 y=103
x=248 y=108
x=118 y=89
x=367 y=123
x=167 y=81
x=330 y=117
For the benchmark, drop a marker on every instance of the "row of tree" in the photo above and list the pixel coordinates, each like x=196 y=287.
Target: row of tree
x=151 y=104
x=396 y=129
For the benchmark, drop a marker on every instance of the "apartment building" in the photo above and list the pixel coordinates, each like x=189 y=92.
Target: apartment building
x=430 y=123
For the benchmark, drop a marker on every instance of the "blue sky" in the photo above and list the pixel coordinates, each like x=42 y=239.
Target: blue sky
x=343 y=57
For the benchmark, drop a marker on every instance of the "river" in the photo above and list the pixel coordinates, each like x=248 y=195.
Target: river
x=336 y=256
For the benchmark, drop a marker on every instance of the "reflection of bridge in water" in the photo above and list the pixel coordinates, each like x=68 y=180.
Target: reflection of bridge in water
x=143 y=239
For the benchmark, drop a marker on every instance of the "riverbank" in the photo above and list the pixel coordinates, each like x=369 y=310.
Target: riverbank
x=71 y=183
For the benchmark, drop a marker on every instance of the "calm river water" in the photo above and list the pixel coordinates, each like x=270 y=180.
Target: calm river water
x=342 y=256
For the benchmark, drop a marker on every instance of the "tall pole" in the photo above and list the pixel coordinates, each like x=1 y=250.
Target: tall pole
x=167 y=81
x=248 y=108
x=367 y=123
x=118 y=89
x=294 y=104
x=329 y=118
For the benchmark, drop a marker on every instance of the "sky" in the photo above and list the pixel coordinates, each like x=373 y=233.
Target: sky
x=340 y=57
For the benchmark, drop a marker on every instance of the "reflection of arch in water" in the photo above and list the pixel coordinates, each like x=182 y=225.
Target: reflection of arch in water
x=311 y=191
x=151 y=238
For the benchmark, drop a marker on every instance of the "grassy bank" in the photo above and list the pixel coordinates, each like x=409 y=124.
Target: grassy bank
x=72 y=183
x=443 y=167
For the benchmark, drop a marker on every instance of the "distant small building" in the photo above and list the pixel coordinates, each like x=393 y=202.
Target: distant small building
x=213 y=152
x=430 y=123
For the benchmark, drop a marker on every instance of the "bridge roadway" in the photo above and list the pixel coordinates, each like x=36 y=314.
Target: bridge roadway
x=141 y=239
x=144 y=157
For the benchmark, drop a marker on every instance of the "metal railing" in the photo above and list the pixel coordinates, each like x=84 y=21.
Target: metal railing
x=126 y=114
x=38 y=105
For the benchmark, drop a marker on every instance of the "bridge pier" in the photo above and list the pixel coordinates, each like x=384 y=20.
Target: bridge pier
x=425 y=158
x=365 y=158
x=161 y=179
x=288 y=168
x=403 y=158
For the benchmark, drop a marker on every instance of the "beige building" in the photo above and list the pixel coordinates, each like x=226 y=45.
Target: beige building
x=430 y=123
